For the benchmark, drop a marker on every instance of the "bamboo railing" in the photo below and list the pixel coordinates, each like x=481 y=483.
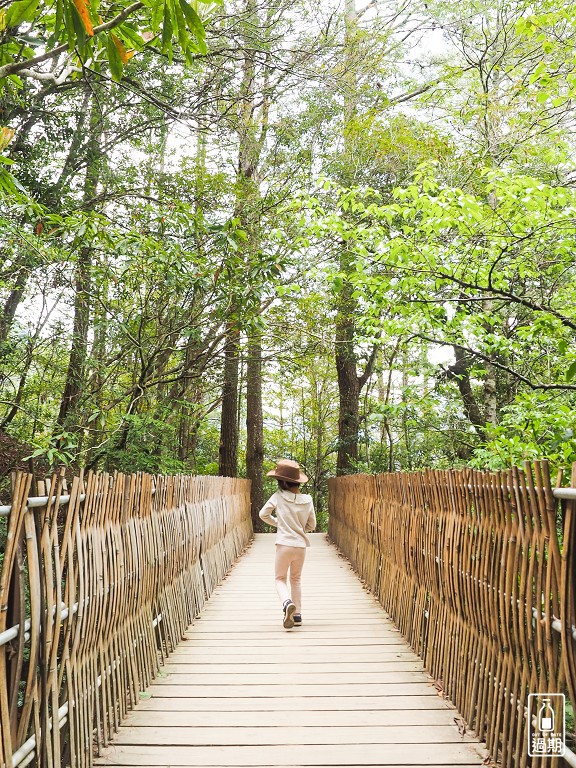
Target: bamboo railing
x=478 y=571
x=97 y=587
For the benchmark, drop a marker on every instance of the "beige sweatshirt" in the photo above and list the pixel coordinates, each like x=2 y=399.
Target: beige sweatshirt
x=295 y=517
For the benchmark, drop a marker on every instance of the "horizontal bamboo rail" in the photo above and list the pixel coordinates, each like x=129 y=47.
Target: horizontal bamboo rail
x=103 y=580
x=478 y=570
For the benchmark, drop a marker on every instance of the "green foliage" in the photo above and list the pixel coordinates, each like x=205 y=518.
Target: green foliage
x=32 y=31
x=421 y=259
x=534 y=426
x=148 y=446
x=452 y=220
x=62 y=449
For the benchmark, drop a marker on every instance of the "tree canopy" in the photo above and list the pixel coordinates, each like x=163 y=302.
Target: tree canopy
x=236 y=231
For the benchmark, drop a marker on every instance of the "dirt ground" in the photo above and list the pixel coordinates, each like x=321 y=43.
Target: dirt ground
x=12 y=457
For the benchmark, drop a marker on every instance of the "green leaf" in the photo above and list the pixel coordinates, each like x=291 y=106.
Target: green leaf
x=180 y=26
x=156 y=16
x=130 y=35
x=70 y=15
x=167 y=30
x=59 y=20
x=195 y=25
x=21 y=10
x=571 y=372
x=80 y=36
x=114 y=59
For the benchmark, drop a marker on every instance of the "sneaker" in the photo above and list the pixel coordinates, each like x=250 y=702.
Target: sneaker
x=297 y=620
x=289 y=611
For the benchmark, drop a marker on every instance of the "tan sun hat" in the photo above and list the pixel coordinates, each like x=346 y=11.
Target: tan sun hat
x=288 y=470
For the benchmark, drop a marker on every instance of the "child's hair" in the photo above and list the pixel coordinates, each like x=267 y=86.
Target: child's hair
x=286 y=485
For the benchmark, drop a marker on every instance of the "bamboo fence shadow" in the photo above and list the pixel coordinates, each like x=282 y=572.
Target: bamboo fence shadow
x=97 y=587
x=475 y=569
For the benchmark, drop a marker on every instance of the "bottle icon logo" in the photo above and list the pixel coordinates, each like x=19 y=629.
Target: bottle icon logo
x=546 y=717
x=546 y=724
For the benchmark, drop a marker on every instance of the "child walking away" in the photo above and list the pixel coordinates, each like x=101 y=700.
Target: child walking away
x=295 y=517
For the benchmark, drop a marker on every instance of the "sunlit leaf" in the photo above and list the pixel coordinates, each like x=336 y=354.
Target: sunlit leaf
x=124 y=54
x=83 y=8
x=6 y=136
x=114 y=59
x=21 y=10
x=167 y=28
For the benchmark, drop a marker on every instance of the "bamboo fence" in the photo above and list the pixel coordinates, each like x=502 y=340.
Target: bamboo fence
x=97 y=587
x=478 y=571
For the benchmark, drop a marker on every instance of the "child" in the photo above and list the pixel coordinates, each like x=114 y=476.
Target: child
x=295 y=517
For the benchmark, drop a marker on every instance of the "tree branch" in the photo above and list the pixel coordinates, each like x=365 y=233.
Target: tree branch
x=500 y=366
x=369 y=368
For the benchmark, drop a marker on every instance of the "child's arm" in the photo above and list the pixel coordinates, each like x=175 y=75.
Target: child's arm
x=311 y=522
x=266 y=512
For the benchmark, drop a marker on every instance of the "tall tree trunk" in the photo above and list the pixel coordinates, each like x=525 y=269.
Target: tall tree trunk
x=8 y=311
x=405 y=430
x=460 y=373
x=15 y=406
x=490 y=387
x=349 y=384
x=228 y=453
x=251 y=128
x=490 y=395
x=255 y=428
x=76 y=373
x=97 y=368
x=348 y=381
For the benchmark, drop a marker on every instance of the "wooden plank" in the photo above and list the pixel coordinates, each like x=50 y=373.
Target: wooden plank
x=314 y=654
x=340 y=718
x=255 y=667
x=307 y=635
x=283 y=676
x=291 y=639
x=266 y=734
x=314 y=621
x=168 y=689
x=298 y=755
x=379 y=765
x=295 y=704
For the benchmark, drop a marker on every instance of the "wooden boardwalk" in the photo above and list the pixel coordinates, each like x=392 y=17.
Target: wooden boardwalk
x=342 y=690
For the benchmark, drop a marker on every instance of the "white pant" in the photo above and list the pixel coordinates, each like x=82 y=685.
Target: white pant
x=289 y=558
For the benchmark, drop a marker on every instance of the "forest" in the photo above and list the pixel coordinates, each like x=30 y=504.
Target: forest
x=341 y=232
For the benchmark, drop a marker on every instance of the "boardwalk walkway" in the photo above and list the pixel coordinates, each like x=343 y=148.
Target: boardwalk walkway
x=342 y=690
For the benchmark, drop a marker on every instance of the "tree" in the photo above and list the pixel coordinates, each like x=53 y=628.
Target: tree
x=506 y=251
